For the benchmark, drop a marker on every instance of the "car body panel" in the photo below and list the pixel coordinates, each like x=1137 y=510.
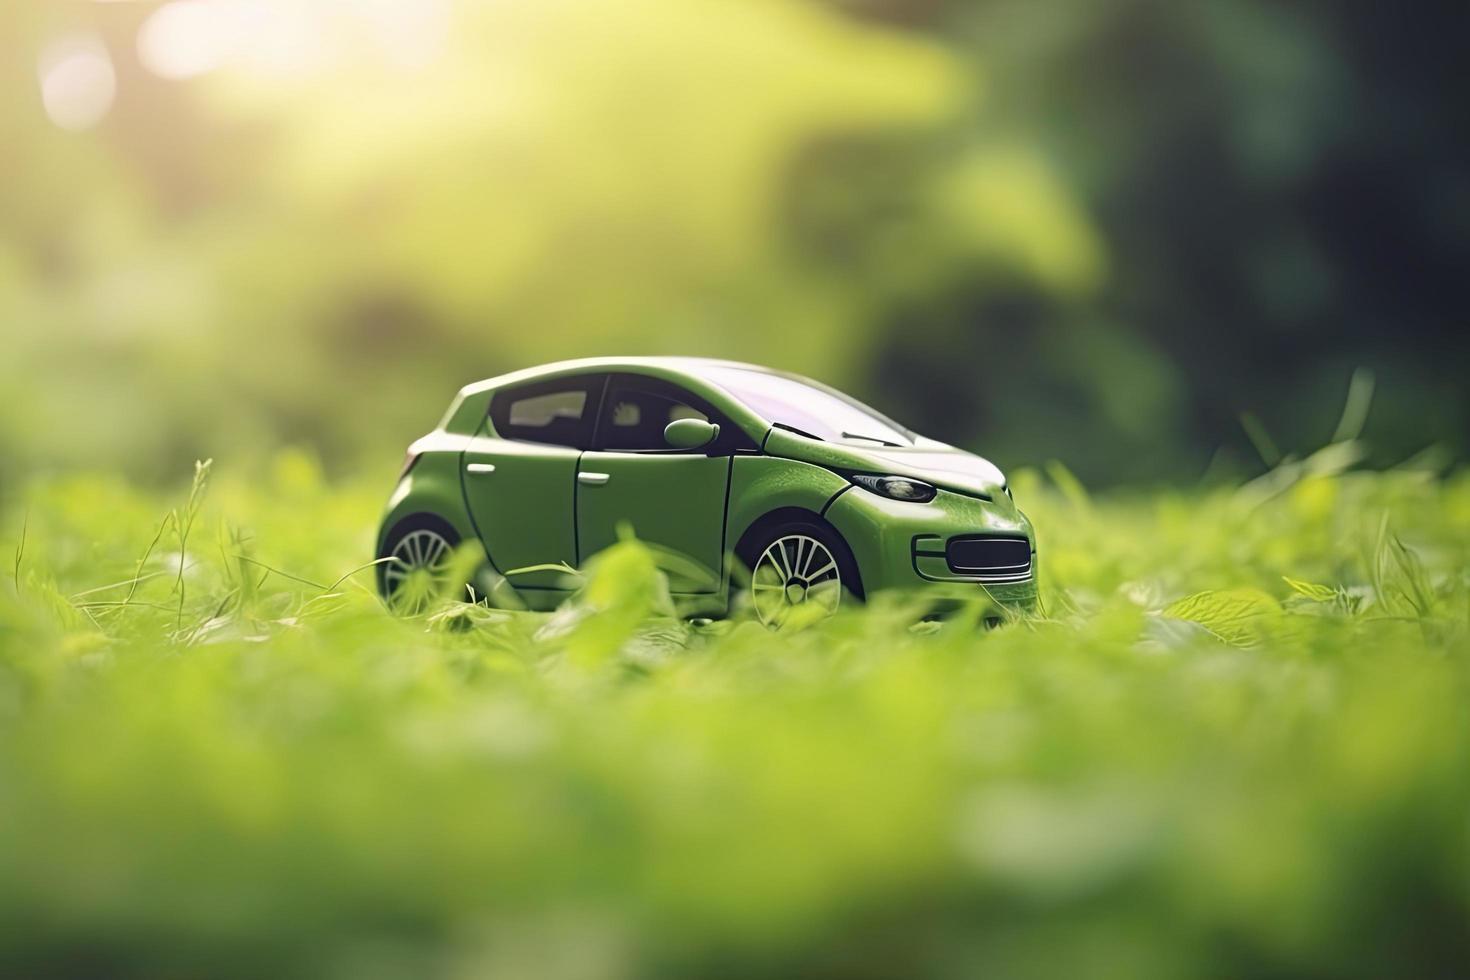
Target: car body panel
x=760 y=485
x=886 y=537
x=695 y=506
x=523 y=508
x=432 y=486
x=927 y=460
x=949 y=469
x=467 y=412
x=674 y=502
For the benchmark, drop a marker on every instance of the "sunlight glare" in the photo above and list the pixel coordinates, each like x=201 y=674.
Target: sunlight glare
x=410 y=34
x=78 y=83
x=187 y=38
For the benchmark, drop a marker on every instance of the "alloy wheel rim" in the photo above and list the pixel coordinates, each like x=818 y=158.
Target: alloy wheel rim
x=795 y=579
x=419 y=570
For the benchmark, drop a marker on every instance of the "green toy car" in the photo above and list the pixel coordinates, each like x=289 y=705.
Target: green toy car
x=818 y=498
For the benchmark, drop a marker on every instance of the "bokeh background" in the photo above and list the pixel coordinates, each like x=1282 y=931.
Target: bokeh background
x=1096 y=231
x=1163 y=242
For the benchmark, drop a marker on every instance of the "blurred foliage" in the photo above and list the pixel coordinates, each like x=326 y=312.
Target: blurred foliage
x=1234 y=745
x=1091 y=230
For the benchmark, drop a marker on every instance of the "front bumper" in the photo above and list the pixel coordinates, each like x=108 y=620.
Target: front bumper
x=900 y=545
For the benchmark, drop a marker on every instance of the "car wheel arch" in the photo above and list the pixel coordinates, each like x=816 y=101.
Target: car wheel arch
x=417 y=521
x=785 y=516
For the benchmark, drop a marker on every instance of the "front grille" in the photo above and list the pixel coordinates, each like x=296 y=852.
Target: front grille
x=1008 y=558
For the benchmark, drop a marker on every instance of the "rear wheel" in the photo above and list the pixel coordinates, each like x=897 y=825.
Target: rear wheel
x=800 y=572
x=417 y=573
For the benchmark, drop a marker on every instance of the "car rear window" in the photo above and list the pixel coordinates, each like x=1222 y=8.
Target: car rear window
x=544 y=411
x=555 y=412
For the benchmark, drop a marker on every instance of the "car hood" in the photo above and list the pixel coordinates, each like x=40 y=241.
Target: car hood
x=952 y=468
x=933 y=462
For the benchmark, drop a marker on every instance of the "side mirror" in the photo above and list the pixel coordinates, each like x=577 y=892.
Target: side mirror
x=690 y=433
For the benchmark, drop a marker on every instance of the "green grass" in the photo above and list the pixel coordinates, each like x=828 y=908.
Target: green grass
x=1234 y=745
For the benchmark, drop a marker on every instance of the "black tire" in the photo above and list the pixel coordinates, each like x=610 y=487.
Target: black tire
x=764 y=537
x=419 y=527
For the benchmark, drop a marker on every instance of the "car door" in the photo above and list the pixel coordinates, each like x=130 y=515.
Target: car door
x=520 y=478
x=673 y=500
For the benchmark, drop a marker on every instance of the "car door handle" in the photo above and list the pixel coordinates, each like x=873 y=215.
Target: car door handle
x=481 y=468
x=593 y=479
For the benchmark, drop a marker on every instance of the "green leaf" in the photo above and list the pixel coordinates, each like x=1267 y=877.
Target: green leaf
x=1233 y=615
x=1313 y=591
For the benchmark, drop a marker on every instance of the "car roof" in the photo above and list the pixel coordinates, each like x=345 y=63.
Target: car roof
x=686 y=365
x=690 y=367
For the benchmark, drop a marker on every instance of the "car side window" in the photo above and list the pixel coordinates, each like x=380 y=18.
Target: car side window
x=636 y=410
x=557 y=412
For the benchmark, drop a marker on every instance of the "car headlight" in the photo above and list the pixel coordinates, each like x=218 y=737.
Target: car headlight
x=895 y=487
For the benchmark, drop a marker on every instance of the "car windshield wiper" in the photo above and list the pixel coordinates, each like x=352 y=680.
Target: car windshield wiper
x=885 y=442
x=800 y=432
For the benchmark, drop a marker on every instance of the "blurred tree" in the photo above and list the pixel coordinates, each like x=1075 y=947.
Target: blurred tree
x=1090 y=230
x=1283 y=191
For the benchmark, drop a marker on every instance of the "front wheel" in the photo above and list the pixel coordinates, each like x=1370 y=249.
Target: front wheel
x=800 y=572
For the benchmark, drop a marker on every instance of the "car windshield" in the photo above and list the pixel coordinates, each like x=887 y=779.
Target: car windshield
x=810 y=410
